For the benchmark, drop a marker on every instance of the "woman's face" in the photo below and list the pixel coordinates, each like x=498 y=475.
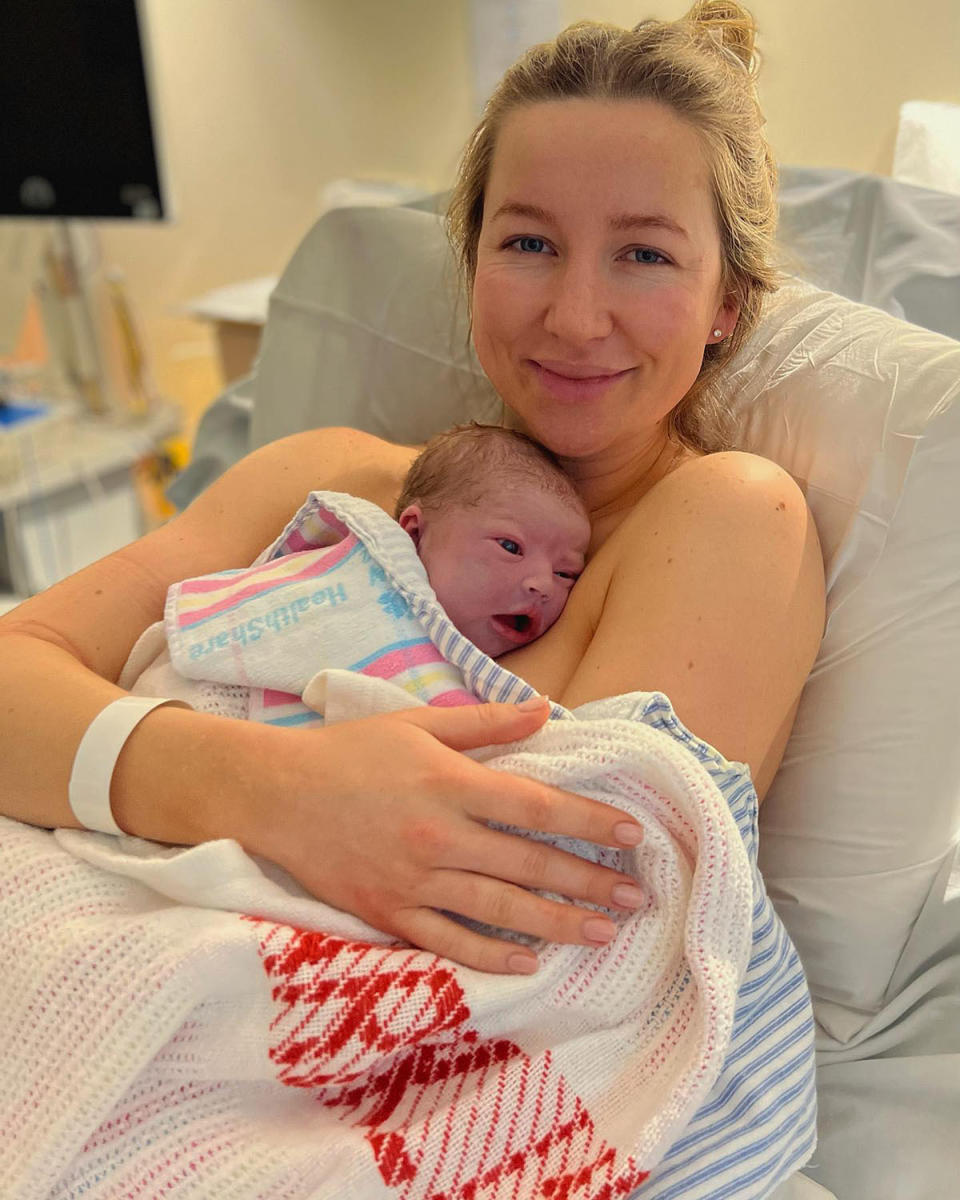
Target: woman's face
x=598 y=272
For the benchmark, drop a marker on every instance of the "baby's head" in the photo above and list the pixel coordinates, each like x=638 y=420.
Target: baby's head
x=499 y=528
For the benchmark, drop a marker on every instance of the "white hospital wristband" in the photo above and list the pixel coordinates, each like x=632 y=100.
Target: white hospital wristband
x=96 y=757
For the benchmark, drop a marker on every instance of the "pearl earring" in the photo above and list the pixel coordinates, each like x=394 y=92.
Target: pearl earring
x=718 y=333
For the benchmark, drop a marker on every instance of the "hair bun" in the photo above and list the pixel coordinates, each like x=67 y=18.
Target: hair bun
x=730 y=26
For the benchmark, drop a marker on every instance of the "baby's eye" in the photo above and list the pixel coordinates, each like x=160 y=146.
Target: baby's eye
x=653 y=257
x=509 y=545
x=529 y=245
x=571 y=575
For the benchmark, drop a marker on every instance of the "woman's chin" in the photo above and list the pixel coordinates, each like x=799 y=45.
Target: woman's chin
x=569 y=439
x=566 y=431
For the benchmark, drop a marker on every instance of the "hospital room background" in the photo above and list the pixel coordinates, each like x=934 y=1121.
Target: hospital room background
x=265 y=116
x=291 y=271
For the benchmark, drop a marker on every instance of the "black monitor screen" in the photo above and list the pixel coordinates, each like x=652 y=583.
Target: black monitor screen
x=76 y=139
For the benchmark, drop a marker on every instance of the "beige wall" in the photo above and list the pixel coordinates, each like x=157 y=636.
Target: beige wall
x=835 y=72
x=265 y=101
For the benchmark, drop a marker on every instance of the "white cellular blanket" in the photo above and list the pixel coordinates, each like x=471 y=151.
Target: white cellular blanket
x=189 y=1020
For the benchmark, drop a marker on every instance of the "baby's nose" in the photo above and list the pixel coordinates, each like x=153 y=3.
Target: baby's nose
x=540 y=585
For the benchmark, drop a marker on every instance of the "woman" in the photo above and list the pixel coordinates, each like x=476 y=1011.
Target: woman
x=614 y=215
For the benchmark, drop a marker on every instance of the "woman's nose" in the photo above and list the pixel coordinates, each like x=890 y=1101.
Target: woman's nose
x=578 y=309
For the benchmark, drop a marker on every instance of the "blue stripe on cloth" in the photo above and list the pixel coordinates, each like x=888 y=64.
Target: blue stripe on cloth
x=728 y=1104
x=785 y=1024
x=765 y=1097
x=303 y=718
x=783 y=951
x=506 y=689
x=757 y=1179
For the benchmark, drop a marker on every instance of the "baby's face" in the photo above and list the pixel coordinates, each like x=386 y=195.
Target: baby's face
x=502 y=570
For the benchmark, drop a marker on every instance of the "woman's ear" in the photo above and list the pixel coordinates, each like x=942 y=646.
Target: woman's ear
x=411 y=519
x=726 y=317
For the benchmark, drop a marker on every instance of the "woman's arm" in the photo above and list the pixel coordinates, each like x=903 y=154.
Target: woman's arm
x=61 y=651
x=391 y=836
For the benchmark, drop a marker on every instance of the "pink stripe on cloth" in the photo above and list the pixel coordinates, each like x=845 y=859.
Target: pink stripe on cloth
x=272 y=577
x=388 y=665
x=213 y=583
x=275 y=699
x=454 y=698
x=296 y=541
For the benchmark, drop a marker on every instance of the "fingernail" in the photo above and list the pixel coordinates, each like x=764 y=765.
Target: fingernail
x=598 y=930
x=522 y=964
x=628 y=834
x=628 y=896
x=532 y=703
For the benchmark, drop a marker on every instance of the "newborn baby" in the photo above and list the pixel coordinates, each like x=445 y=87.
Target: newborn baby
x=499 y=529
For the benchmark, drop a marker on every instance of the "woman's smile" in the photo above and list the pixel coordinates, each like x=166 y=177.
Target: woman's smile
x=576 y=384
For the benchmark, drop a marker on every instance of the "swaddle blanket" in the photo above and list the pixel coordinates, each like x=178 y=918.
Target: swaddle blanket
x=189 y=1021
x=341 y=587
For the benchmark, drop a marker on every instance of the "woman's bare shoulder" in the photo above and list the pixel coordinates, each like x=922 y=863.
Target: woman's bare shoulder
x=716 y=598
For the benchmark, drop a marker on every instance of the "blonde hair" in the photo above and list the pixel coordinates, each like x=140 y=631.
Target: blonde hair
x=462 y=466
x=704 y=68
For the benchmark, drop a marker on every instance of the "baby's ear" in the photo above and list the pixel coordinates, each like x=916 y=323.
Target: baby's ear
x=411 y=519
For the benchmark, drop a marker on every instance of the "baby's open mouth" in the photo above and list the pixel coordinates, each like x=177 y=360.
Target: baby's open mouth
x=518 y=628
x=518 y=621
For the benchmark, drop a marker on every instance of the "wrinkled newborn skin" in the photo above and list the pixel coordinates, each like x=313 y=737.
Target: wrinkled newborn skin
x=502 y=569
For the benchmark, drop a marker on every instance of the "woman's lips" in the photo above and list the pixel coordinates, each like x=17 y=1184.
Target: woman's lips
x=573 y=387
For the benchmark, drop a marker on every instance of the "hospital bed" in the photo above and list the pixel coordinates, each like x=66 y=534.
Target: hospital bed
x=851 y=384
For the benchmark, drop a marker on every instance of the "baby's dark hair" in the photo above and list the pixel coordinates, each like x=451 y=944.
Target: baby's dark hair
x=457 y=468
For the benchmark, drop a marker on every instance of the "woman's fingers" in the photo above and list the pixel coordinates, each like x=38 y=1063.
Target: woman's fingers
x=440 y=935
x=544 y=809
x=485 y=795
x=524 y=803
x=496 y=903
x=469 y=726
x=530 y=863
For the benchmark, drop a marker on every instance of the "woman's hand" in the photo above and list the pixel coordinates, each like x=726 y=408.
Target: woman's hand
x=386 y=821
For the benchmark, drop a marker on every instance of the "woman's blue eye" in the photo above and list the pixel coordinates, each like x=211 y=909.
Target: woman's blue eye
x=656 y=256
x=509 y=545
x=531 y=245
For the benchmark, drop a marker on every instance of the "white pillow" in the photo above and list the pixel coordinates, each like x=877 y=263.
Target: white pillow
x=859 y=826
x=859 y=829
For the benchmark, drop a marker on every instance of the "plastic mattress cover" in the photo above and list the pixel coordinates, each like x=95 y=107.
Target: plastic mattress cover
x=876 y=240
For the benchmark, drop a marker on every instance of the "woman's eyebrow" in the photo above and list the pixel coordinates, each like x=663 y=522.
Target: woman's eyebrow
x=622 y=222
